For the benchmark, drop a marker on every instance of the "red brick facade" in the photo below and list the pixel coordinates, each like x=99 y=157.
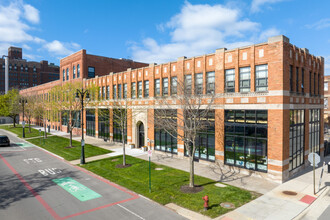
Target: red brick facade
x=283 y=94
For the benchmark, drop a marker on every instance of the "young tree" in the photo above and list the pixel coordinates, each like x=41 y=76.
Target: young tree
x=40 y=110
x=185 y=123
x=30 y=108
x=9 y=105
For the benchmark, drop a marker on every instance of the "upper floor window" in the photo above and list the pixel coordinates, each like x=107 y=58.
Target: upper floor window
x=133 y=90
x=100 y=93
x=326 y=86
x=230 y=80
x=103 y=93
x=187 y=84
x=302 y=80
x=140 y=89
x=26 y=68
x=174 y=85
x=10 y=67
x=114 y=90
x=22 y=68
x=262 y=77
x=244 y=79
x=34 y=69
x=199 y=83
x=210 y=83
x=91 y=72
x=15 y=67
x=291 y=78
x=78 y=70
x=297 y=79
x=165 y=86
x=157 y=87
x=67 y=73
x=108 y=92
x=315 y=84
x=125 y=91
x=310 y=83
x=74 y=72
x=146 y=88
x=119 y=91
x=63 y=74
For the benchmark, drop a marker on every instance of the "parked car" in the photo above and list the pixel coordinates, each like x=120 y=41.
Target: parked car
x=4 y=140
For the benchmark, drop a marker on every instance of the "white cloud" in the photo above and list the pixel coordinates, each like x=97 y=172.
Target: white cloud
x=321 y=24
x=268 y=33
x=31 y=14
x=200 y=29
x=256 y=4
x=61 y=48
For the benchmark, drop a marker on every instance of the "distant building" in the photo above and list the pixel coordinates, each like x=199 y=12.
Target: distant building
x=25 y=74
x=326 y=100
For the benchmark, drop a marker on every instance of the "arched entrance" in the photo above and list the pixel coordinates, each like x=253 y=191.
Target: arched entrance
x=140 y=134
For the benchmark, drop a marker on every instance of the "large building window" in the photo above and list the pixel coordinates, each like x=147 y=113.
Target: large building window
x=165 y=86
x=64 y=118
x=230 y=80
x=174 y=85
x=63 y=74
x=117 y=133
x=140 y=89
x=314 y=130
x=103 y=119
x=76 y=119
x=91 y=72
x=90 y=122
x=163 y=140
x=244 y=79
x=146 y=88
x=133 y=90
x=74 y=72
x=310 y=83
x=246 y=139
x=78 y=70
x=187 y=84
x=297 y=79
x=100 y=93
x=157 y=87
x=302 y=81
x=114 y=90
x=262 y=78
x=125 y=91
x=199 y=83
x=315 y=84
x=119 y=91
x=297 y=139
x=210 y=83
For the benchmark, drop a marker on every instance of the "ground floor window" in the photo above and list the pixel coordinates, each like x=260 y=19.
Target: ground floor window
x=165 y=142
x=76 y=119
x=104 y=123
x=246 y=139
x=64 y=118
x=297 y=139
x=314 y=130
x=90 y=122
x=205 y=139
x=119 y=116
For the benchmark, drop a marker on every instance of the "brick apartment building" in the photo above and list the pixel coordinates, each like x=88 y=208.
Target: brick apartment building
x=25 y=74
x=266 y=118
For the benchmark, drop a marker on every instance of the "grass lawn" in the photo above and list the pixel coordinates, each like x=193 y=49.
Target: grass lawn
x=166 y=183
x=19 y=131
x=58 y=145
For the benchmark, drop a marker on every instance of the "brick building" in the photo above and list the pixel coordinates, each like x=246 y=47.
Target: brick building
x=266 y=117
x=25 y=74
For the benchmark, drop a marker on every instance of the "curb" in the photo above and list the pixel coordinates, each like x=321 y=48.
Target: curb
x=308 y=208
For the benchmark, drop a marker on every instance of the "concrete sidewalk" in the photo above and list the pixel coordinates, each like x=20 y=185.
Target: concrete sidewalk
x=273 y=204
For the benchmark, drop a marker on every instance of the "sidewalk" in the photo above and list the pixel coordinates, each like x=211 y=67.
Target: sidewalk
x=273 y=204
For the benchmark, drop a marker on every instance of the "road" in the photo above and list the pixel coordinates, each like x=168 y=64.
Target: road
x=35 y=184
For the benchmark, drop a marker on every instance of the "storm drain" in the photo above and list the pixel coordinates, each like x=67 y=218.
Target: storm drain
x=289 y=193
x=227 y=205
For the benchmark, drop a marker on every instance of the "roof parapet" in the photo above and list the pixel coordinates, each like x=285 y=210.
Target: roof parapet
x=278 y=38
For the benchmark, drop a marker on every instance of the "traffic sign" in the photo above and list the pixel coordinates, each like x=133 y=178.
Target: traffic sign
x=23 y=124
x=149 y=153
x=317 y=158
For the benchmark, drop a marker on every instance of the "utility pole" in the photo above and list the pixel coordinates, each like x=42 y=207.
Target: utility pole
x=6 y=73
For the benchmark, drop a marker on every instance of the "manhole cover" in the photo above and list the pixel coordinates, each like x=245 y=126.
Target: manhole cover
x=158 y=168
x=227 y=205
x=289 y=193
x=114 y=160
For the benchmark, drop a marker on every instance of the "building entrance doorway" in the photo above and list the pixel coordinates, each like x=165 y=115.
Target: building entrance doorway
x=140 y=134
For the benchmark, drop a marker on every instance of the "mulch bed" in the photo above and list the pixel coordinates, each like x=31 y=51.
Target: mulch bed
x=188 y=189
x=123 y=166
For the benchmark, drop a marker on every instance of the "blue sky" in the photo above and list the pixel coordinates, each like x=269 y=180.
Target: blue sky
x=159 y=31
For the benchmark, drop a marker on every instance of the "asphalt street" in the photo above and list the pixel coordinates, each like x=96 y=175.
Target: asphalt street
x=35 y=184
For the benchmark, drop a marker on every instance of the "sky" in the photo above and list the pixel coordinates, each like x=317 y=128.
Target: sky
x=159 y=31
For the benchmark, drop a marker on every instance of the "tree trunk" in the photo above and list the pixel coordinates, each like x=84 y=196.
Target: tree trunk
x=45 y=129
x=191 y=171
x=123 y=142
x=70 y=137
x=29 y=125
x=14 y=121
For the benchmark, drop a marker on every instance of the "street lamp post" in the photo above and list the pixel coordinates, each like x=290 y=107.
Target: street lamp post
x=80 y=97
x=23 y=101
x=6 y=73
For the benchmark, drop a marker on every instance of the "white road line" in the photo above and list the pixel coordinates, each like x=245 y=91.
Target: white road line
x=131 y=212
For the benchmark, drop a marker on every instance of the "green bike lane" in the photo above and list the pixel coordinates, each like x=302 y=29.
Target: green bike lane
x=38 y=185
